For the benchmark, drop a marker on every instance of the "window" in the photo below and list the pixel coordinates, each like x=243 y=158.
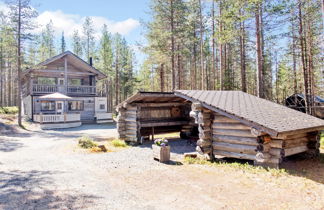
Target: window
x=46 y=81
x=75 y=105
x=75 y=82
x=47 y=105
x=102 y=106
x=59 y=106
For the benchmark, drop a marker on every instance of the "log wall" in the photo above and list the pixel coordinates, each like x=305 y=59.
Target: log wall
x=232 y=138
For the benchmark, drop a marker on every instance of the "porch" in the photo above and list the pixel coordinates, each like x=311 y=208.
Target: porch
x=71 y=89
x=57 y=118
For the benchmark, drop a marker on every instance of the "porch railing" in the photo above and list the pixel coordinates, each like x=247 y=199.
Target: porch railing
x=60 y=88
x=81 y=89
x=45 y=88
x=56 y=118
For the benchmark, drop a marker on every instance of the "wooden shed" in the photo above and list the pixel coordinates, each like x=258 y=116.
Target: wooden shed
x=230 y=123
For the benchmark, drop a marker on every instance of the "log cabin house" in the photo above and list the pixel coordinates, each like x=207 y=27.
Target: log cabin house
x=230 y=124
x=61 y=92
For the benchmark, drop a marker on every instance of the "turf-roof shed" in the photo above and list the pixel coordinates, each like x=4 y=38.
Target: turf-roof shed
x=261 y=114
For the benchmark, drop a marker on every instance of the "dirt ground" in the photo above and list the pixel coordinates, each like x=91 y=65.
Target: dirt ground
x=46 y=170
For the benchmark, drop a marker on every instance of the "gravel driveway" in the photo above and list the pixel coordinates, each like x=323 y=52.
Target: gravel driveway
x=45 y=170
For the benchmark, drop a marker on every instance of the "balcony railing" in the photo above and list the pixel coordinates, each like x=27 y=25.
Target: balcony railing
x=59 y=88
x=56 y=118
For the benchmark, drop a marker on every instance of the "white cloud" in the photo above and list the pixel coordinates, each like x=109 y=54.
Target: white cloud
x=70 y=22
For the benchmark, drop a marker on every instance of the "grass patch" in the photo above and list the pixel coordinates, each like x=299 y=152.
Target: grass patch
x=86 y=142
x=236 y=166
x=118 y=143
x=167 y=135
x=322 y=140
x=9 y=110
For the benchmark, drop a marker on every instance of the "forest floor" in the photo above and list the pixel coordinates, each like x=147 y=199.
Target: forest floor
x=47 y=170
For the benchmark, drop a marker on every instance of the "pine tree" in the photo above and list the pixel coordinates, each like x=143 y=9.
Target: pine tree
x=63 y=44
x=77 y=44
x=88 y=38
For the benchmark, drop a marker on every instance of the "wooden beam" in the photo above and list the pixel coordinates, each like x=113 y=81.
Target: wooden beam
x=159 y=104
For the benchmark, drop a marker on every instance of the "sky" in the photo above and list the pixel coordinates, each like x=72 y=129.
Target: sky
x=122 y=16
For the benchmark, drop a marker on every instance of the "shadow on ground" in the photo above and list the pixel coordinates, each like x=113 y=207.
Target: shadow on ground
x=178 y=146
x=9 y=145
x=25 y=190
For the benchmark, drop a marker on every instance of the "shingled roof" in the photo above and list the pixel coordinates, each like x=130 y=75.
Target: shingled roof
x=262 y=114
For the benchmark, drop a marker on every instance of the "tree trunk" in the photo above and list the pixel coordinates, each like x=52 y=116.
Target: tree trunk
x=213 y=47
x=117 y=80
x=172 y=45
x=201 y=48
x=242 y=56
x=19 y=64
x=260 y=86
x=162 y=77
x=303 y=58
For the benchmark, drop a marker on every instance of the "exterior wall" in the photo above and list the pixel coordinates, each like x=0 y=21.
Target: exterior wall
x=231 y=138
x=100 y=101
x=27 y=107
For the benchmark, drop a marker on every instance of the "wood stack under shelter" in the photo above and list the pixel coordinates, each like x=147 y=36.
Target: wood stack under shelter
x=230 y=123
x=149 y=113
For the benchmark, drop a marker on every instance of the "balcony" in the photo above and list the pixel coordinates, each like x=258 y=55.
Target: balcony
x=71 y=90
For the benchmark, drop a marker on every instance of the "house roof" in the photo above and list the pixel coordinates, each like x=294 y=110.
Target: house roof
x=262 y=114
x=57 y=96
x=74 y=58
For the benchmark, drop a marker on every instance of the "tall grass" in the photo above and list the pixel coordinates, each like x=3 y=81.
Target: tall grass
x=9 y=110
x=118 y=143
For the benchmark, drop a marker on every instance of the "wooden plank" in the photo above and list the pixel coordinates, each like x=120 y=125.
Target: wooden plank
x=236 y=139
x=238 y=148
x=170 y=123
x=239 y=126
x=276 y=143
x=295 y=150
x=223 y=119
x=171 y=104
x=234 y=155
x=233 y=132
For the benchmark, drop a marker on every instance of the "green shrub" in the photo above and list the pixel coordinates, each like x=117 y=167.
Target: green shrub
x=118 y=143
x=322 y=140
x=9 y=110
x=86 y=142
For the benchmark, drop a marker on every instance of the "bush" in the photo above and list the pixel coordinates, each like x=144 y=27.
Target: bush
x=9 y=110
x=87 y=142
x=322 y=140
x=118 y=143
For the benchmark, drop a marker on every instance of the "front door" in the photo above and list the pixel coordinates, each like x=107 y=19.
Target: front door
x=59 y=107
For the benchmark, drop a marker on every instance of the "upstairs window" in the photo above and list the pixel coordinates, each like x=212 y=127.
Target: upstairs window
x=46 y=81
x=75 y=82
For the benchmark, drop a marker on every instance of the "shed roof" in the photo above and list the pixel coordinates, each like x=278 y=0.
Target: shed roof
x=262 y=114
x=155 y=97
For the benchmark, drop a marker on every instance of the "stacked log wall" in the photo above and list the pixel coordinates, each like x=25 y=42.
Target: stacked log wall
x=233 y=139
x=121 y=123
x=131 y=124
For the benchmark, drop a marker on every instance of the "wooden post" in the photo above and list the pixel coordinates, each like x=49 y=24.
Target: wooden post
x=41 y=118
x=65 y=75
x=152 y=133
x=64 y=116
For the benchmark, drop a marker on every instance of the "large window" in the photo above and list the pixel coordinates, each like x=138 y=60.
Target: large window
x=75 y=82
x=48 y=105
x=46 y=81
x=75 y=105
